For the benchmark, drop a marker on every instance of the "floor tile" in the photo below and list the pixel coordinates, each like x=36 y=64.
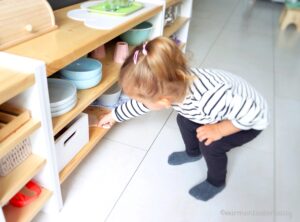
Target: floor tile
x=93 y=188
x=159 y=192
x=252 y=16
x=141 y=131
x=241 y=51
x=218 y=11
x=205 y=33
x=172 y=120
x=287 y=159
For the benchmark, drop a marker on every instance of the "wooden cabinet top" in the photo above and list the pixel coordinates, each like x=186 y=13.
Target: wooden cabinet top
x=72 y=39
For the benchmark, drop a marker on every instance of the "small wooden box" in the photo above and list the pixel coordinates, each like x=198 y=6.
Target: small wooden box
x=24 y=20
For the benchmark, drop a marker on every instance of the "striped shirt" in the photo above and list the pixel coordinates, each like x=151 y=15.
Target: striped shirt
x=213 y=96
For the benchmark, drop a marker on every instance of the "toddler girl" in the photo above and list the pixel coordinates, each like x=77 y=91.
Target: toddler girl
x=217 y=110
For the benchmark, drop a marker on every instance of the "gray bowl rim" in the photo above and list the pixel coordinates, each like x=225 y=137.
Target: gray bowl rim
x=134 y=28
x=65 y=69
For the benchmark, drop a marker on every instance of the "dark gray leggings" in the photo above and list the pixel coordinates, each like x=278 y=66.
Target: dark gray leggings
x=215 y=153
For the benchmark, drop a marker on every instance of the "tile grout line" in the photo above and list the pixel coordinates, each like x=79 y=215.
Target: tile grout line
x=132 y=146
x=219 y=34
x=274 y=118
x=126 y=144
x=116 y=202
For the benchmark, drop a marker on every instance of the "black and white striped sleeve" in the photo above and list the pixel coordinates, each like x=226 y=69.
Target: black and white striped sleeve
x=247 y=113
x=128 y=110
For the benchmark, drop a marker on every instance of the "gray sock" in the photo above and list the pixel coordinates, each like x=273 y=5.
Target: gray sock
x=178 y=158
x=205 y=191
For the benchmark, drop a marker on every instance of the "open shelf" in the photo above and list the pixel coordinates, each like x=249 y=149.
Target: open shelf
x=72 y=39
x=13 y=82
x=170 y=3
x=18 y=136
x=16 y=179
x=27 y=213
x=95 y=134
x=178 y=23
x=110 y=75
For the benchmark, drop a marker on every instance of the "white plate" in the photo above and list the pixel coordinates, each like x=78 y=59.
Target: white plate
x=67 y=109
x=60 y=91
x=95 y=20
x=63 y=106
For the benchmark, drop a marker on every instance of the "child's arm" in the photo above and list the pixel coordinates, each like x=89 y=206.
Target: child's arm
x=126 y=111
x=214 y=132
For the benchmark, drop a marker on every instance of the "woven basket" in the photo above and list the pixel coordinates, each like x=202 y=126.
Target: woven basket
x=16 y=156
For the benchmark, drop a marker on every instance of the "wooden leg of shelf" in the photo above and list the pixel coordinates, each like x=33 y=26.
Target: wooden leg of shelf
x=289 y=17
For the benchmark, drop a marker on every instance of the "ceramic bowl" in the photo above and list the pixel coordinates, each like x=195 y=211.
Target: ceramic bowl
x=138 y=34
x=111 y=96
x=82 y=69
x=64 y=106
x=65 y=110
x=89 y=83
x=60 y=91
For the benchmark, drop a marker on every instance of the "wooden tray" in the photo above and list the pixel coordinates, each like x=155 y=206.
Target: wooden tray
x=95 y=114
x=11 y=118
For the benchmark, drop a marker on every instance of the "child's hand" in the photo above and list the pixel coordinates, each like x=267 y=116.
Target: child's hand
x=106 y=121
x=210 y=133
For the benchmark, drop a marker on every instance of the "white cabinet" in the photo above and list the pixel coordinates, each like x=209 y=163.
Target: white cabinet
x=41 y=165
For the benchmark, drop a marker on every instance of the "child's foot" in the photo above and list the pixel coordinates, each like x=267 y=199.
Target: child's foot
x=178 y=158
x=205 y=191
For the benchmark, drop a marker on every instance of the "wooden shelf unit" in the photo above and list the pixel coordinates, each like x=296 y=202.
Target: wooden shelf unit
x=18 y=136
x=16 y=179
x=27 y=213
x=57 y=49
x=170 y=3
x=96 y=135
x=72 y=39
x=178 y=23
x=13 y=83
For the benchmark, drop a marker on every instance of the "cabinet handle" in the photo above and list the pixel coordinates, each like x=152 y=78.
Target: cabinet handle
x=29 y=28
x=70 y=137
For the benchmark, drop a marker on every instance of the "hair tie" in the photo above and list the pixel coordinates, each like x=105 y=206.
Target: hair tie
x=136 y=53
x=135 y=56
x=144 y=49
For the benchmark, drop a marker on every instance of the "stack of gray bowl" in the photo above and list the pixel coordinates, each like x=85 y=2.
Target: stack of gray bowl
x=62 y=95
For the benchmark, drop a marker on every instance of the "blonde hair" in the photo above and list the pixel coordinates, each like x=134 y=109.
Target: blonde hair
x=162 y=72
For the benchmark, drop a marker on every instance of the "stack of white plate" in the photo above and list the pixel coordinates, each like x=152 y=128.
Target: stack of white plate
x=63 y=96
